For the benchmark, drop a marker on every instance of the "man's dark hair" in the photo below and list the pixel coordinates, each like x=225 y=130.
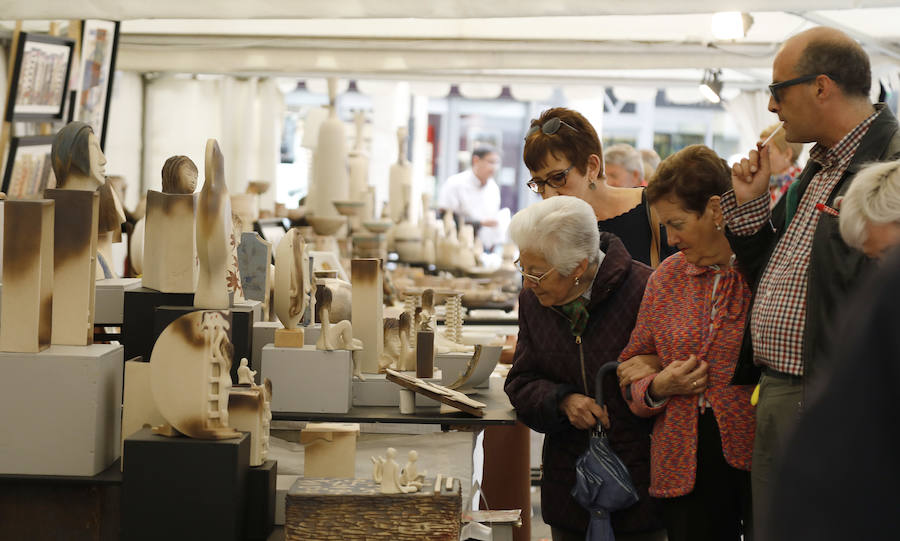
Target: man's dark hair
x=483 y=150
x=844 y=61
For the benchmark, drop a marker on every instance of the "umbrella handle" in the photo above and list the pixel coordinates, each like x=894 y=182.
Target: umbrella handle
x=598 y=383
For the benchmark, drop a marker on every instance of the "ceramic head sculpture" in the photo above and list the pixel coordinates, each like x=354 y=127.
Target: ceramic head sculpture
x=179 y=175
x=292 y=284
x=78 y=163
x=338 y=335
x=213 y=233
x=190 y=374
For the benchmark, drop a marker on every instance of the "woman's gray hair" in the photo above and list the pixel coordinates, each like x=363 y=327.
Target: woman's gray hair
x=874 y=197
x=626 y=157
x=562 y=229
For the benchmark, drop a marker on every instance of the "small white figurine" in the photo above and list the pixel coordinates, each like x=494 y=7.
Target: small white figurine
x=387 y=472
x=245 y=375
x=410 y=474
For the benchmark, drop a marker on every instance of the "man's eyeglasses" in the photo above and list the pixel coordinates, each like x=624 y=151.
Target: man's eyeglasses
x=557 y=180
x=547 y=128
x=533 y=278
x=775 y=87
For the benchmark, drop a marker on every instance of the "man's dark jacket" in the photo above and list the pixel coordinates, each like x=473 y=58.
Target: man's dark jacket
x=833 y=267
x=546 y=368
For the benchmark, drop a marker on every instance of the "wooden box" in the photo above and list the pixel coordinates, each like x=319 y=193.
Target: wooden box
x=339 y=509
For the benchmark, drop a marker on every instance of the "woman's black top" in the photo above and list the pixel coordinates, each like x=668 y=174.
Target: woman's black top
x=633 y=228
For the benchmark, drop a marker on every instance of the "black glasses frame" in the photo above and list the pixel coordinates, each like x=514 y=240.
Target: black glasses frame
x=549 y=127
x=537 y=185
x=775 y=87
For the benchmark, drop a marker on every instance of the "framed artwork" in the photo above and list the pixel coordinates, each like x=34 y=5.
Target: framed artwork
x=28 y=169
x=99 y=42
x=40 y=78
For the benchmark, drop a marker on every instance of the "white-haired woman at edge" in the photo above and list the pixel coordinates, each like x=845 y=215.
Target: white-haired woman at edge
x=870 y=210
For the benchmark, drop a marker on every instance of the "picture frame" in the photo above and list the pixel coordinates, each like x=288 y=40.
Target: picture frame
x=40 y=80
x=28 y=167
x=99 y=46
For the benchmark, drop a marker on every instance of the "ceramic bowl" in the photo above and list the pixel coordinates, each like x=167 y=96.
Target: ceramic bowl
x=326 y=225
x=378 y=227
x=348 y=208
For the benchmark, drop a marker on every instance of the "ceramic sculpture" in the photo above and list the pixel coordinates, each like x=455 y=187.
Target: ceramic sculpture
x=74 y=265
x=292 y=287
x=170 y=243
x=386 y=471
x=109 y=229
x=338 y=335
x=391 y=347
x=213 y=233
x=331 y=180
x=245 y=375
x=407 y=359
x=254 y=255
x=368 y=311
x=249 y=410
x=359 y=161
x=426 y=320
x=25 y=312
x=233 y=270
x=78 y=163
x=410 y=474
x=400 y=180
x=190 y=375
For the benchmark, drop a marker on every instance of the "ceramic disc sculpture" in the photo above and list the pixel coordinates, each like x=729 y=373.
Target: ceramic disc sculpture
x=190 y=377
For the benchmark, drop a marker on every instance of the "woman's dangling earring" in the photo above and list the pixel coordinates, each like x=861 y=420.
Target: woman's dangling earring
x=718 y=227
x=592 y=185
x=577 y=280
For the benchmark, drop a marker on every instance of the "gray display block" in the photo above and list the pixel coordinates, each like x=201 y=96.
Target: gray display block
x=264 y=333
x=308 y=380
x=110 y=299
x=62 y=410
x=376 y=390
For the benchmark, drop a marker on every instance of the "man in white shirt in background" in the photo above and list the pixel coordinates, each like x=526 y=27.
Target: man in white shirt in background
x=475 y=196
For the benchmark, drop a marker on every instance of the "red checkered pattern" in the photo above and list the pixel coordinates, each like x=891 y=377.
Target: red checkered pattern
x=779 y=311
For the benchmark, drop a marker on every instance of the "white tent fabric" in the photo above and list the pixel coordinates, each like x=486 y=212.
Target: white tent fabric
x=750 y=112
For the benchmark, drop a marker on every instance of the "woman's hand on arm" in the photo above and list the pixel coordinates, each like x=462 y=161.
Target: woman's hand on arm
x=583 y=411
x=638 y=367
x=680 y=378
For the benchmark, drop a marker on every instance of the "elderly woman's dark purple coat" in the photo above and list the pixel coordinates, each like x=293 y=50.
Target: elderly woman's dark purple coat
x=546 y=368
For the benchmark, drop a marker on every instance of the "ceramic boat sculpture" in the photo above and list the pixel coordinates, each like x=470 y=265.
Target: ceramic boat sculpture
x=213 y=233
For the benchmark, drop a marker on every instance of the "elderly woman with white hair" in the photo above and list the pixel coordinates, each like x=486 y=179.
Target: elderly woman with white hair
x=624 y=166
x=870 y=210
x=579 y=303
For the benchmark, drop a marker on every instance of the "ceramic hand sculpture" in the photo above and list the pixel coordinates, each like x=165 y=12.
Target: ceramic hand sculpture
x=213 y=233
x=291 y=279
x=387 y=472
x=410 y=474
x=245 y=375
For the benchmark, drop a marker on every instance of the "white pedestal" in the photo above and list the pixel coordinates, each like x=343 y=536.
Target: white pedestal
x=376 y=390
x=308 y=379
x=110 y=302
x=63 y=407
x=264 y=333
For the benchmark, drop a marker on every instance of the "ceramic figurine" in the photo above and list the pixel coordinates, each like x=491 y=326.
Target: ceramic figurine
x=109 y=229
x=407 y=360
x=78 y=163
x=387 y=472
x=400 y=180
x=292 y=284
x=179 y=175
x=233 y=271
x=410 y=474
x=213 y=233
x=245 y=375
x=169 y=256
x=190 y=375
x=391 y=352
x=337 y=335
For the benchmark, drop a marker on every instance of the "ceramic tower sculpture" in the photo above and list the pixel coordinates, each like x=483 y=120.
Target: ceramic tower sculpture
x=213 y=233
x=400 y=183
x=332 y=182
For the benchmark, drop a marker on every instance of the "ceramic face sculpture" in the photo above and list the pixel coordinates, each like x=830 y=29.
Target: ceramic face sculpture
x=179 y=175
x=291 y=279
x=78 y=163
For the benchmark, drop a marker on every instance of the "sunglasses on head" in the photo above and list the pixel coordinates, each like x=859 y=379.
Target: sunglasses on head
x=775 y=87
x=547 y=128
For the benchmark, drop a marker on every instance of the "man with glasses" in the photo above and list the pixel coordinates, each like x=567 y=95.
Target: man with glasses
x=798 y=266
x=475 y=196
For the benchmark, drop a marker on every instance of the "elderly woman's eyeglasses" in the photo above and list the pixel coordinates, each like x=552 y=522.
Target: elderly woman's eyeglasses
x=557 y=180
x=549 y=127
x=775 y=87
x=532 y=277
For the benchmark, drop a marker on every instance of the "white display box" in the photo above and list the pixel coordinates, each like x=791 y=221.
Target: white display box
x=264 y=333
x=308 y=379
x=255 y=306
x=110 y=299
x=376 y=390
x=63 y=410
